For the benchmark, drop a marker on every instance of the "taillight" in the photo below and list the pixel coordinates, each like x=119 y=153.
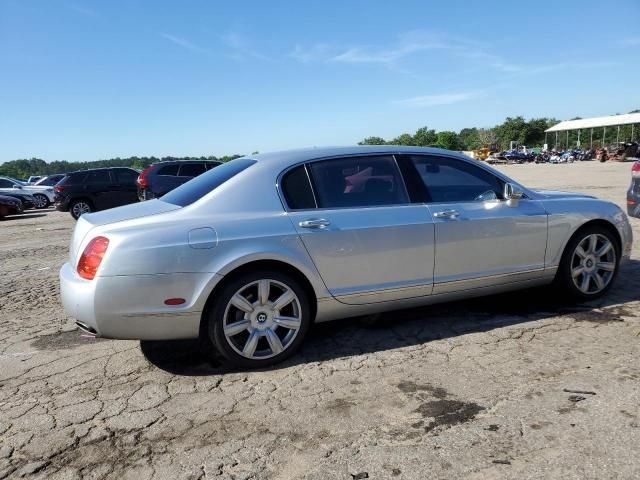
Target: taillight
x=92 y=257
x=142 y=180
x=58 y=188
x=635 y=169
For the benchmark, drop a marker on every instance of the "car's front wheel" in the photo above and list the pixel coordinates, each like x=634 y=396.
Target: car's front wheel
x=41 y=201
x=79 y=208
x=259 y=319
x=590 y=263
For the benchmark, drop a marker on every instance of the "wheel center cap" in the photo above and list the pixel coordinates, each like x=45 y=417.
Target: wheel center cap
x=262 y=317
x=589 y=263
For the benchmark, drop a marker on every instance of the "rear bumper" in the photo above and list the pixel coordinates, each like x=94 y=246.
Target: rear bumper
x=132 y=307
x=61 y=203
x=633 y=205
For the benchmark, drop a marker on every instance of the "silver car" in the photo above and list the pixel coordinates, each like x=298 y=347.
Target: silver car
x=248 y=255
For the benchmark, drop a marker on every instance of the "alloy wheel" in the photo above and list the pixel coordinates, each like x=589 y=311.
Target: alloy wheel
x=80 y=208
x=262 y=319
x=593 y=264
x=40 y=200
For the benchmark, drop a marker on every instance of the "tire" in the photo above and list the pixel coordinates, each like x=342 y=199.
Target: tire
x=80 y=207
x=272 y=332
x=579 y=273
x=41 y=201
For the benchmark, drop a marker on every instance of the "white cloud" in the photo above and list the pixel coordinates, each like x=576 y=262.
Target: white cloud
x=184 y=43
x=241 y=46
x=433 y=100
x=630 y=42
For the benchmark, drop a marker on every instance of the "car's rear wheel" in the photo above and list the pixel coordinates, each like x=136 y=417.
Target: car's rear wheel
x=590 y=263
x=259 y=319
x=41 y=201
x=79 y=208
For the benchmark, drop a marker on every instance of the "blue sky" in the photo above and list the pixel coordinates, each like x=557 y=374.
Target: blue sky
x=84 y=80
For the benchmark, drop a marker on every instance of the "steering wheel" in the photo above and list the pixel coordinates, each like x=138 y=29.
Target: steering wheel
x=484 y=196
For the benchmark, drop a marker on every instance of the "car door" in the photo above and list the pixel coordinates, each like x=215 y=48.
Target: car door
x=125 y=186
x=481 y=240
x=368 y=242
x=98 y=188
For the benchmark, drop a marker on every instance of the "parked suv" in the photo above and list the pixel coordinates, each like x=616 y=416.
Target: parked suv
x=43 y=195
x=633 y=195
x=50 y=180
x=162 y=177
x=89 y=191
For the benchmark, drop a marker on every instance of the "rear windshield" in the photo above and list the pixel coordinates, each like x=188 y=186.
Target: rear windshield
x=197 y=188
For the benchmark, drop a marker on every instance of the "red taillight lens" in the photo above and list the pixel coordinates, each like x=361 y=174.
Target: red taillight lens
x=58 y=188
x=635 y=169
x=92 y=257
x=142 y=180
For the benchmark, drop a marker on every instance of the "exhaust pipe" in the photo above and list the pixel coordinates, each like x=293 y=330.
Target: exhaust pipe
x=86 y=328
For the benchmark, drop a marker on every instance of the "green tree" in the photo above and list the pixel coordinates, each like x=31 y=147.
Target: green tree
x=469 y=139
x=424 y=137
x=404 y=139
x=373 y=141
x=448 y=140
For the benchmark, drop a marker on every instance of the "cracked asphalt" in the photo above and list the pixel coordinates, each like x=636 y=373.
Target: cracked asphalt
x=523 y=385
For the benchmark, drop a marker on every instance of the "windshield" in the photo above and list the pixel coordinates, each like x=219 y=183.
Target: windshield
x=197 y=188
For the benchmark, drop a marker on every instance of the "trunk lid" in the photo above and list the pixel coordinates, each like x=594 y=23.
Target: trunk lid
x=88 y=222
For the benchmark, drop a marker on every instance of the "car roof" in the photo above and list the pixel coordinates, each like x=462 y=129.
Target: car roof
x=88 y=170
x=313 y=153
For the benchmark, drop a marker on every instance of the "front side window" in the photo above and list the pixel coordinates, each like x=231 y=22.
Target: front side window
x=451 y=180
x=191 y=169
x=5 y=183
x=358 y=182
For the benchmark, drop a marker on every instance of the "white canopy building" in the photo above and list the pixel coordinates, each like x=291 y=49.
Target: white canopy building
x=596 y=122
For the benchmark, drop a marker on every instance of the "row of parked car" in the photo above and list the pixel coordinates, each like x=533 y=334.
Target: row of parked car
x=98 y=189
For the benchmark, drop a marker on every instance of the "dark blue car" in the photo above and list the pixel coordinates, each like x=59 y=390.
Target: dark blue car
x=162 y=177
x=633 y=194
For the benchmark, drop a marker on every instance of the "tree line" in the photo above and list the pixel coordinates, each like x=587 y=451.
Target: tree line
x=25 y=168
x=525 y=132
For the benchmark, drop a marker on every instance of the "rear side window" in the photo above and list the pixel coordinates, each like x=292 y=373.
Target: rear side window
x=101 y=176
x=169 y=170
x=451 y=180
x=296 y=189
x=197 y=188
x=358 y=182
x=126 y=176
x=191 y=169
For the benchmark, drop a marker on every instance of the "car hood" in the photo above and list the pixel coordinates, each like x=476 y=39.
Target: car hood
x=557 y=194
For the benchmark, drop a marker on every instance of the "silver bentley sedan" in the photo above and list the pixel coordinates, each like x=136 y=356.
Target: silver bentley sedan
x=248 y=255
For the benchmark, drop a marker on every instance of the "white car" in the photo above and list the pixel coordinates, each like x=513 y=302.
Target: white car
x=42 y=195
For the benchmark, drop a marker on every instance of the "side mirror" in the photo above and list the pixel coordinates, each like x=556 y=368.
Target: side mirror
x=512 y=194
x=16 y=186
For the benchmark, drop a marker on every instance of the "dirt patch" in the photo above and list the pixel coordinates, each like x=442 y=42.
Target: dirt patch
x=411 y=387
x=447 y=413
x=63 y=340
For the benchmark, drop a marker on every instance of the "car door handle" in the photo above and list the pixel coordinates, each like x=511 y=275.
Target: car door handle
x=315 y=223
x=446 y=214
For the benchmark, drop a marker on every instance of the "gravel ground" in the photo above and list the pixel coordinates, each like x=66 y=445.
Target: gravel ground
x=474 y=389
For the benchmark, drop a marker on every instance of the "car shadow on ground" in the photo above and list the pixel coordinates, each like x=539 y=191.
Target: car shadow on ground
x=409 y=327
x=24 y=216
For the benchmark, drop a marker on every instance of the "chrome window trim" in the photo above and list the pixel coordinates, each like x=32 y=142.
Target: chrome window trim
x=335 y=157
